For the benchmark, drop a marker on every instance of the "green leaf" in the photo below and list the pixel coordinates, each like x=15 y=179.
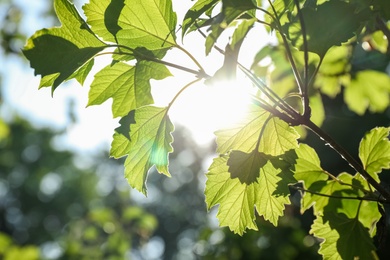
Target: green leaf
x=374 y=151
x=242 y=135
x=344 y=238
x=231 y=10
x=229 y=67
x=199 y=8
x=58 y=52
x=322 y=32
x=368 y=89
x=241 y=182
x=278 y=137
x=81 y=74
x=308 y=171
x=103 y=17
x=150 y=145
x=127 y=85
x=347 y=225
x=147 y=23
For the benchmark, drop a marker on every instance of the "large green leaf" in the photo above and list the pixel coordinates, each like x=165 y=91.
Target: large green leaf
x=127 y=85
x=149 y=144
x=344 y=238
x=244 y=134
x=277 y=138
x=241 y=182
x=374 y=151
x=103 y=17
x=147 y=23
x=57 y=53
x=322 y=32
x=368 y=89
x=347 y=225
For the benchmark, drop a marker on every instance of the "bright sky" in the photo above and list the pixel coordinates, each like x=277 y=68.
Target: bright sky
x=198 y=108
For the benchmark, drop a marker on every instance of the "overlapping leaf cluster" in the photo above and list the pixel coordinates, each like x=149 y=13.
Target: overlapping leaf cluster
x=259 y=156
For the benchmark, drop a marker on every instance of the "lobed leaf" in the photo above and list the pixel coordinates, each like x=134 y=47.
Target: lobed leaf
x=57 y=53
x=374 y=151
x=128 y=86
x=149 y=144
x=242 y=135
x=147 y=23
x=241 y=182
x=369 y=89
x=103 y=16
x=347 y=226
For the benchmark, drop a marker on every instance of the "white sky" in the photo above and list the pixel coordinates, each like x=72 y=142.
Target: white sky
x=96 y=126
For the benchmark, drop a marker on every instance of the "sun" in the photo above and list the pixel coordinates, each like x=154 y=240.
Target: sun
x=205 y=108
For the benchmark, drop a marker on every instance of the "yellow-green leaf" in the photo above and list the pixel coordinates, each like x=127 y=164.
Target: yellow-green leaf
x=243 y=182
x=128 y=86
x=149 y=144
x=369 y=89
x=374 y=151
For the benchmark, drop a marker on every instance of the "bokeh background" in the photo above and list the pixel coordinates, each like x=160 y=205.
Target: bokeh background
x=62 y=197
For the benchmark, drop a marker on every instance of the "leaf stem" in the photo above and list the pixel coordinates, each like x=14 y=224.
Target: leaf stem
x=341 y=197
x=200 y=74
x=181 y=91
x=305 y=87
x=346 y=156
x=288 y=51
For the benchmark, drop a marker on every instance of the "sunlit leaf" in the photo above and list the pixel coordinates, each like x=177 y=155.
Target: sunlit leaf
x=278 y=137
x=241 y=182
x=58 y=52
x=368 y=90
x=127 y=85
x=199 y=8
x=103 y=17
x=149 y=144
x=230 y=11
x=147 y=23
x=347 y=225
x=345 y=238
x=81 y=74
x=335 y=66
x=374 y=151
x=229 y=67
x=244 y=134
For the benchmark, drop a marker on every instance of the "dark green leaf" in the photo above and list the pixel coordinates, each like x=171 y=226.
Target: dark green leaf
x=63 y=50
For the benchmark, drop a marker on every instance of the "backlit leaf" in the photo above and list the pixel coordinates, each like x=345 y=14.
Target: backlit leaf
x=244 y=134
x=243 y=182
x=278 y=137
x=374 y=151
x=199 y=8
x=128 y=85
x=103 y=17
x=147 y=23
x=347 y=225
x=149 y=144
x=368 y=90
x=345 y=238
x=230 y=11
x=58 y=52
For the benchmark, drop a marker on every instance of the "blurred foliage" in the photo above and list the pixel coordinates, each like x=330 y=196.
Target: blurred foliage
x=56 y=205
